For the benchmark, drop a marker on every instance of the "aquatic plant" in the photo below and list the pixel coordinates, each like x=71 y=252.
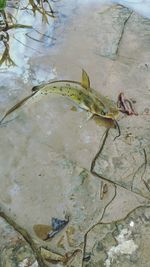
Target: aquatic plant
x=2 y=4
x=8 y=21
x=40 y=6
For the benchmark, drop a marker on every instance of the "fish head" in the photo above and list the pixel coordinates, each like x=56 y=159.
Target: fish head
x=105 y=111
x=111 y=113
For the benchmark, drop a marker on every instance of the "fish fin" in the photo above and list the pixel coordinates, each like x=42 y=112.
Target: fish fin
x=106 y=122
x=85 y=80
x=17 y=106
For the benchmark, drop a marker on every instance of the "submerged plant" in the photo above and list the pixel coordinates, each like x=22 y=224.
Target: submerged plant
x=7 y=22
x=6 y=55
x=38 y=6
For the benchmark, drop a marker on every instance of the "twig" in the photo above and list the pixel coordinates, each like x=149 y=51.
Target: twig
x=98 y=153
x=104 y=178
x=119 y=131
x=99 y=222
x=26 y=236
x=93 y=172
x=145 y=166
x=138 y=169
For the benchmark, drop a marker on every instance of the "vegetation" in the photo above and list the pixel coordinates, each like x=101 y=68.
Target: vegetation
x=2 y=4
x=8 y=22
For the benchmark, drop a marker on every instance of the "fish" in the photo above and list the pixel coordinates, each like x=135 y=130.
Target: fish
x=80 y=93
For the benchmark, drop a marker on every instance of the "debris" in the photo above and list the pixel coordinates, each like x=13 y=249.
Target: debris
x=57 y=226
x=125 y=105
x=45 y=232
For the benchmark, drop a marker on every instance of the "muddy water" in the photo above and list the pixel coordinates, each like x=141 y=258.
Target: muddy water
x=46 y=148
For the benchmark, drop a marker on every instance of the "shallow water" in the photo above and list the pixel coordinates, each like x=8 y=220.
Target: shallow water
x=48 y=146
x=27 y=44
x=58 y=50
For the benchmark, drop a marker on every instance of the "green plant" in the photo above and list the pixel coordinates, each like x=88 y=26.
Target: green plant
x=2 y=4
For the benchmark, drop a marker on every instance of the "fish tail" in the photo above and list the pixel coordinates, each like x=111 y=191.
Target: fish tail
x=16 y=106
